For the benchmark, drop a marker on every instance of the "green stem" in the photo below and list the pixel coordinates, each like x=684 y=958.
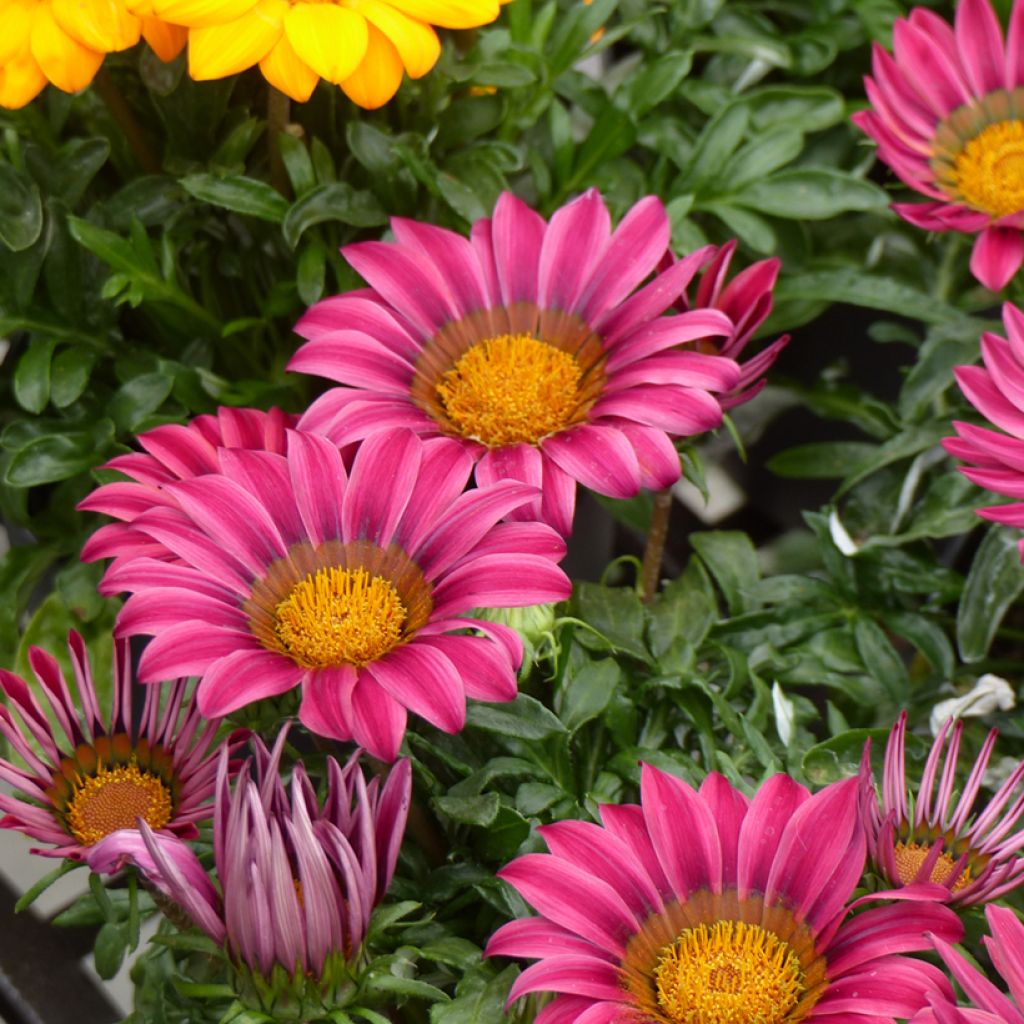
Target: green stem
x=278 y=112
x=122 y=114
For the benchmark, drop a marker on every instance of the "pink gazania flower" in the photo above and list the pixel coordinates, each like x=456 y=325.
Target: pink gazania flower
x=1005 y=946
x=91 y=775
x=928 y=836
x=172 y=452
x=297 y=882
x=532 y=342
x=997 y=392
x=292 y=572
x=746 y=300
x=945 y=113
x=704 y=906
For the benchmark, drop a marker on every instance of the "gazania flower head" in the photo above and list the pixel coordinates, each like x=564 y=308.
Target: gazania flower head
x=929 y=836
x=746 y=300
x=297 y=881
x=172 y=452
x=292 y=572
x=533 y=342
x=95 y=774
x=699 y=907
x=64 y=42
x=996 y=390
x=945 y=113
x=1005 y=946
x=364 y=46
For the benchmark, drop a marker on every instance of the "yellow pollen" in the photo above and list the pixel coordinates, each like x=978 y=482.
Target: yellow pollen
x=511 y=389
x=113 y=798
x=910 y=856
x=728 y=973
x=989 y=170
x=338 y=617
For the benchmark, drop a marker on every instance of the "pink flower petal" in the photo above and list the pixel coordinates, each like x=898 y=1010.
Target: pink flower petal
x=486 y=671
x=353 y=358
x=728 y=808
x=599 y=457
x=326 y=693
x=243 y=677
x=420 y=677
x=498 y=581
x=575 y=975
x=997 y=256
x=443 y=475
x=188 y=649
x=319 y=484
x=538 y=937
x=383 y=476
x=517 y=233
x=575 y=240
x=774 y=804
x=980 y=42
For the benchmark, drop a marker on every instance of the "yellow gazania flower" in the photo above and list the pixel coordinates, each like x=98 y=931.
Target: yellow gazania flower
x=364 y=46
x=64 y=41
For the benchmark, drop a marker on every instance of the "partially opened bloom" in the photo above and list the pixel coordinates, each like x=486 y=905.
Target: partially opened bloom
x=364 y=46
x=533 y=342
x=990 y=1005
x=93 y=773
x=297 y=881
x=934 y=834
x=996 y=390
x=746 y=300
x=172 y=452
x=946 y=115
x=701 y=907
x=292 y=572
x=64 y=42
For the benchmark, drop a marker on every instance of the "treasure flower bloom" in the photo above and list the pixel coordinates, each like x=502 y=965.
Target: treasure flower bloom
x=996 y=457
x=970 y=848
x=64 y=42
x=747 y=300
x=363 y=46
x=533 y=342
x=84 y=778
x=1005 y=947
x=293 y=572
x=701 y=907
x=297 y=880
x=945 y=113
x=172 y=452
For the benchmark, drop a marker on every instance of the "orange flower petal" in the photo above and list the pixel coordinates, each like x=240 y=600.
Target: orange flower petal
x=330 y=39
x=284 y=70
x=379 y=75
x=103 y=25
x=16 y=19
x=450 y=13
x=200 y=13
x=66 y=62
x=416 y=42
x=21 y=80
x=166 y=40
x=221 y=50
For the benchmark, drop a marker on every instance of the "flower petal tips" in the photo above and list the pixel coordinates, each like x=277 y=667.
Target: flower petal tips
x=536 y=343
x=702 y=905
x=291 y=571
x=949 y=130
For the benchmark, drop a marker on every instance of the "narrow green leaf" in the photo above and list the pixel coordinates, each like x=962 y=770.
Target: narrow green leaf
x=21 y=209
x=337 y=201
x=239 y=194
x=811 y=195
x=32 y=377
x=732 y=560
x=995 y=581
x=525 y=718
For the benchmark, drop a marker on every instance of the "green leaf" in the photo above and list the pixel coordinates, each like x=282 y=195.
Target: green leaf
x=762 y=156
x=525 y=718
x=613 y=133
x=811 y=108
x=655 y=82
x=881 y=660
x=139 y=397
x=53 y=457
x=469 y=810
x=32 y=377
x=239 y=194
x=109 y=951
x=811 y=195
x=454 y=951
x=479 y=998
x=840 y=756
x=749 y=226
x=461 y=198
x=373 y=148
x=69 y=374
x=32 y=894
x=720 y=137
x=396 y=986
x=927 y=636
x=732 y=560
x=336 y=201
x=21 y=210
x=821 y=460
x=994 y=582
x=311 y=273
x=616 y=613
x=587 y=688
x=297 y=162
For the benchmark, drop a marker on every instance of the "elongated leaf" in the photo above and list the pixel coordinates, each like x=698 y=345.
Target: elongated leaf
x=995 y=581
x=811 y=195
x=336 y=201
x=241 y=195
x=21 y=209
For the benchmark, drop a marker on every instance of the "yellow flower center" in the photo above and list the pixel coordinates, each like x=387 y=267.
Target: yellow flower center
x=728 y=973
x=114 y=798
x=339 y=616
x=513 y=389
x=910 y=856
x=989 y=170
